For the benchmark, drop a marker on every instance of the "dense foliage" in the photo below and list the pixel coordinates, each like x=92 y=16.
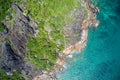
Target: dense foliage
x=15 y=76
x=51 y=16
x=4 y=6
x=1 y=27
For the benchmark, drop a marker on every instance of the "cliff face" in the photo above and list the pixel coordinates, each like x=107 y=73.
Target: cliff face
x=14 y=40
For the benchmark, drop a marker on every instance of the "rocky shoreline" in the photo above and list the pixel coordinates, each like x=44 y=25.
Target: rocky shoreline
x=78 y=46
x=19 y=28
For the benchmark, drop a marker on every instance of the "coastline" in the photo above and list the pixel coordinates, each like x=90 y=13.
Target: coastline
x=79 y=46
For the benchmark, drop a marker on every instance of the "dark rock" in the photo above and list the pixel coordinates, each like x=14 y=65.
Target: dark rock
x=17 y=8
x=10 y=60
x=18 y=42
x=26 y=27
x=13 y=53
x=5 y=30
x=27 y=18
x=21 y=31
x=19 y=11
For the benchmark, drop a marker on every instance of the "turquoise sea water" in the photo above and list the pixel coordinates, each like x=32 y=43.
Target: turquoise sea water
x=101 y=58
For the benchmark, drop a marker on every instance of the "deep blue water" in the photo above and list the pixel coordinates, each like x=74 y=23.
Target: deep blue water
x=101 y=58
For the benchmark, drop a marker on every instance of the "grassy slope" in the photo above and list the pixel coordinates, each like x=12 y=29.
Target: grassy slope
x=50 y=16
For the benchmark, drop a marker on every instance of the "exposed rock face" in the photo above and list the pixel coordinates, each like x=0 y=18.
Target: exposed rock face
x=21 y=31
x=9 y=59
x=74 y=31
x=14 y=40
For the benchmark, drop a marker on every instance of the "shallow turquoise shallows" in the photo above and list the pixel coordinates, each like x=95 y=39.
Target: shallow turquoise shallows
x=101 y=58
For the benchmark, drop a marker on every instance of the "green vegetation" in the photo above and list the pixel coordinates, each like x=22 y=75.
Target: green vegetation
x=77 y=34
x=1 y=27
x=4 y=6
x=51 y=16
x=86 y=14
x=15 y=76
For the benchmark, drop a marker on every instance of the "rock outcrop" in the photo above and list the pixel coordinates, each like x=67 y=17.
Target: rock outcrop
x=14 y=40
x=9 y=59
